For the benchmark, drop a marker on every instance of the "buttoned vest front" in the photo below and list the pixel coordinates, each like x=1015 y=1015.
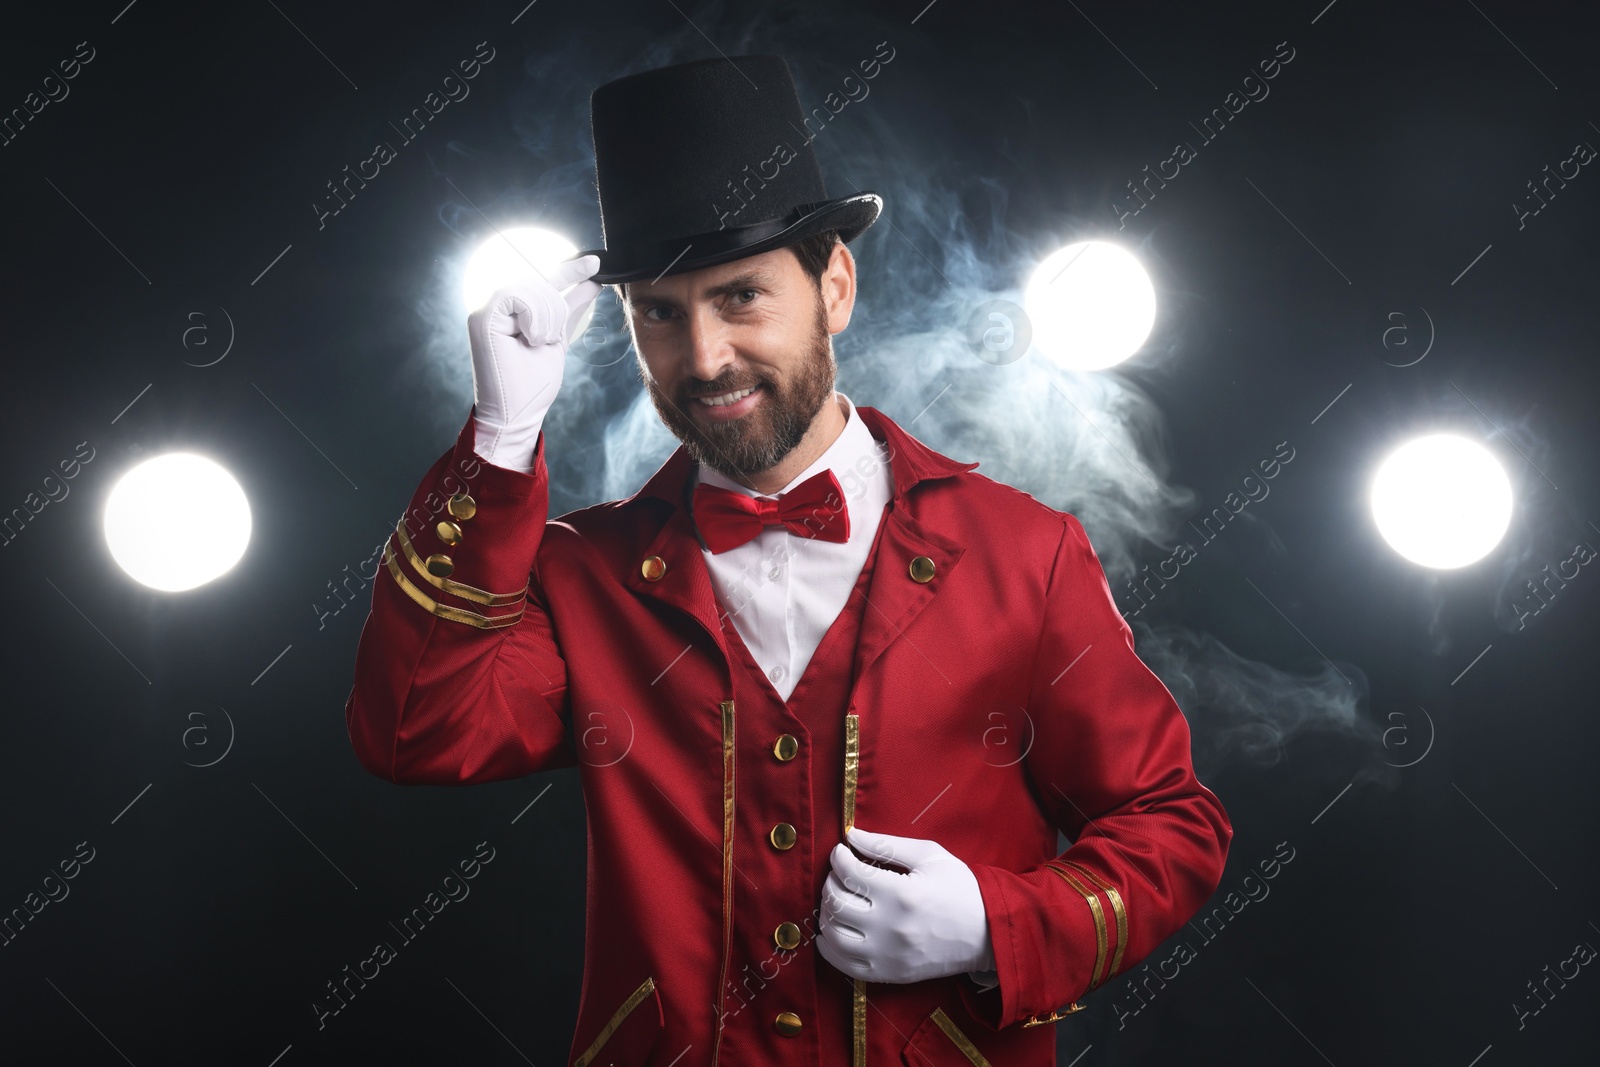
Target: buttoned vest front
x=788 y=1004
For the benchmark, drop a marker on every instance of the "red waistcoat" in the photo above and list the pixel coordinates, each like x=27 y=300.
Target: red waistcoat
x=773 y=885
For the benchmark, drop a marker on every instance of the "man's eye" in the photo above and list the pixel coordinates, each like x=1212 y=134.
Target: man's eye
x=752 y=293
x=648 y=310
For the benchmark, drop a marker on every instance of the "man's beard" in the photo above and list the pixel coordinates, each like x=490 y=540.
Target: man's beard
x=761 y=439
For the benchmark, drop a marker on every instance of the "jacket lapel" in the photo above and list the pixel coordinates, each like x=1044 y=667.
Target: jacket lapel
x=894 y=597
x=685 y=583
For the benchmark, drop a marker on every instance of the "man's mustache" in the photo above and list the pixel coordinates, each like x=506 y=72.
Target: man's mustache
x=723 y=390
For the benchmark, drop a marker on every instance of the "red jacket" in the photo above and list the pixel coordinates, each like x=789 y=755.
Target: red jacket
x=999 y=670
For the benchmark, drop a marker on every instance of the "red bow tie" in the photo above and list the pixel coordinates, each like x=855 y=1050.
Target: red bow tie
x=815 y=508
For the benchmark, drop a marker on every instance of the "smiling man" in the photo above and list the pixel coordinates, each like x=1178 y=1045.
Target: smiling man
x=738 y=358
x=806 y=619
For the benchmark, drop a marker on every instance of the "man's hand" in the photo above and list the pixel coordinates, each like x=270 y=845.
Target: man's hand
x=519 y=350
x=885 y=926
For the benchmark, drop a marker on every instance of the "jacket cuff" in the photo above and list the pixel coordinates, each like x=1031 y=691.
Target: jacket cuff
x=466 y=545
x=1046 y=942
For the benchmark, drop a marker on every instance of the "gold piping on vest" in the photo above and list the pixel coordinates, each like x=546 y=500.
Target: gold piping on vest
x=962 y=1042
x=727 y=866
x=852 y=764
x=634 y=1000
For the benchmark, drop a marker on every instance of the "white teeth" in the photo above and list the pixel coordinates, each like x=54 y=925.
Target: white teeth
x=727 y=398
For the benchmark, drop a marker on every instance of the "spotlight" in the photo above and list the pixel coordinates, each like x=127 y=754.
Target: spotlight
x=1091 y=305
x=513 y=255
x=176 y=522
x=1441 y=501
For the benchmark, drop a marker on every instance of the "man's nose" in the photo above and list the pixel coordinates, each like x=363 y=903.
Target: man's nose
x=710 y=350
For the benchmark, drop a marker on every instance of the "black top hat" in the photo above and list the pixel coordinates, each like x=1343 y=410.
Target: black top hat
x=706 y=162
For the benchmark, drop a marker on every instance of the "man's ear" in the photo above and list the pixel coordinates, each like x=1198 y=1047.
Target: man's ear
x=838 y=284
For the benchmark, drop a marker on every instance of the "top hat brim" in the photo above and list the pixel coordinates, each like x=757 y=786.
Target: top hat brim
x=849 y=215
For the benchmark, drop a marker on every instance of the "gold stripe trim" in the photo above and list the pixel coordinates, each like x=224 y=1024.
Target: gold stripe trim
x=962 y=1042
x=1116 y=906
x=852 y=764
x=466 y=592
x=727 y=865
x=858 y=998
x=445 y=611
x=858 y=1022
x=1099 y=924
x=634 y=1000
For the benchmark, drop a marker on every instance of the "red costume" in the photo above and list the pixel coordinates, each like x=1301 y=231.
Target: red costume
x=979 y=689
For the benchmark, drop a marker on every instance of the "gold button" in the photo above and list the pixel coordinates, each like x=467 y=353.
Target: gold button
x=783 y=836
x=785 y=747
x=448 y=532
x=787 y=935
x=654 y=568
x=787 y=1023
x=462 y=506
x=922 y=570
x=440 y=566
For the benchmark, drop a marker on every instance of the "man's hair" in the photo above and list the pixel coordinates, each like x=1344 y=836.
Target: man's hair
x=814 y=252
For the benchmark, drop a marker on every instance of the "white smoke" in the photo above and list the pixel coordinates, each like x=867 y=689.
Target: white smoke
x=1090 y=444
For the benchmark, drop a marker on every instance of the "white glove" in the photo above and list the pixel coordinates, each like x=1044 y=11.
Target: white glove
x=885 y=926
x=519 y=350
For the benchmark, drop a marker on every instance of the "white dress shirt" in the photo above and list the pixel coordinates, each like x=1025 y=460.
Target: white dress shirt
x=784 y=590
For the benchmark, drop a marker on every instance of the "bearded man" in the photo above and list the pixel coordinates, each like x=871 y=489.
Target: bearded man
x=806 y=624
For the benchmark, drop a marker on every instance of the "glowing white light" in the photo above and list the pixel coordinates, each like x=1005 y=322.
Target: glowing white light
x=511 y=256
x=1441 y=501
x=1091 y=305
x=177 y=521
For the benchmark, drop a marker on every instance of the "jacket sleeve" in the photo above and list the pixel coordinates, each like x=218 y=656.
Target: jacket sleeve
x=459 y=678
x=1111 y=767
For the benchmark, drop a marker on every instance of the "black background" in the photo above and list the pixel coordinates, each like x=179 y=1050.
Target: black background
x=221 y=898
